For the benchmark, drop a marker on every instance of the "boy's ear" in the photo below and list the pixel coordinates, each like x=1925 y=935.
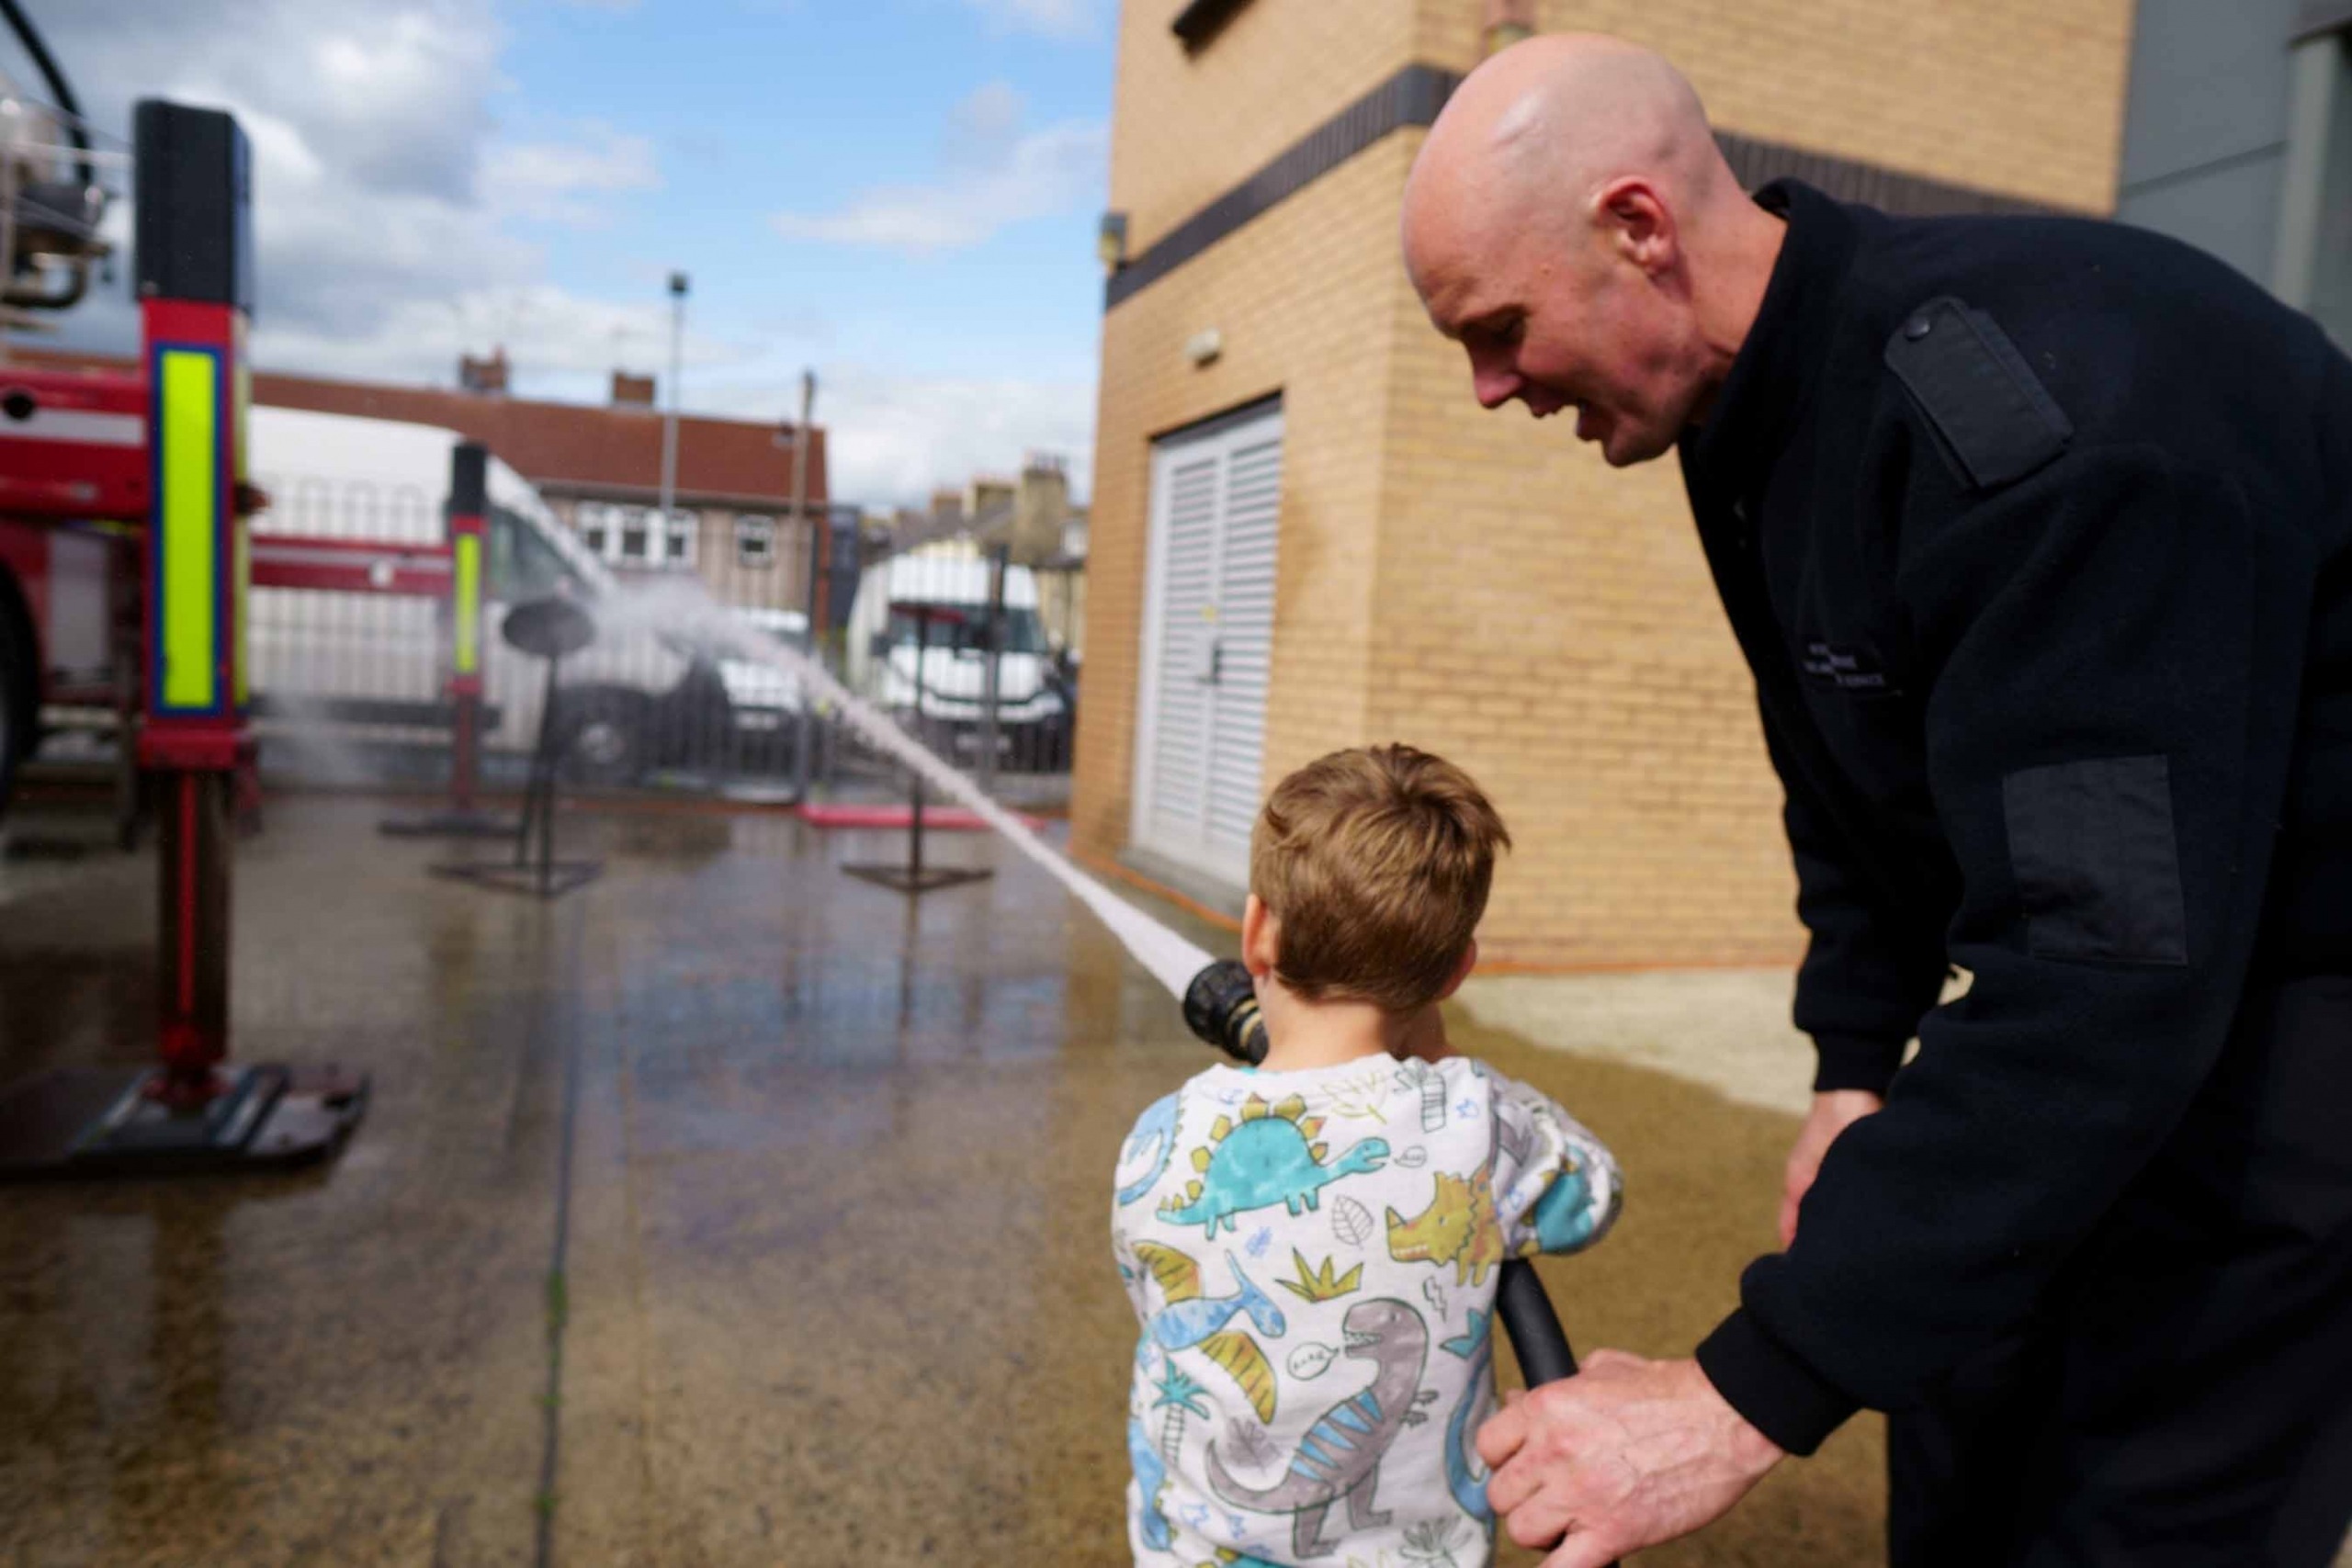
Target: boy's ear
x=1462 y=970
x=1259 y=933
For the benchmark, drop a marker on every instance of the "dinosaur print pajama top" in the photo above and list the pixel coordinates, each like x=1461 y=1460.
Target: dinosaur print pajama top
x=1313 y=1257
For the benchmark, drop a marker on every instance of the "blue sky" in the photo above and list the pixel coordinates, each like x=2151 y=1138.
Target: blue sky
x=900 y=194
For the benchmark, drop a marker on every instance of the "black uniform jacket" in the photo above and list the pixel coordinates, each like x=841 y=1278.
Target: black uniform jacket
x=2035 y=534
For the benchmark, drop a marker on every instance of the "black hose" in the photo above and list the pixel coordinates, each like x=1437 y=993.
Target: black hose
x=59 y=89
x=1534 y=1328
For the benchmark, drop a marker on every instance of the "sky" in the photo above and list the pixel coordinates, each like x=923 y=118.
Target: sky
x=901 y=195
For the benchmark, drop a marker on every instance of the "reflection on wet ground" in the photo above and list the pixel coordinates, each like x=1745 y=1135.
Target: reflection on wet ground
x=794 y=1192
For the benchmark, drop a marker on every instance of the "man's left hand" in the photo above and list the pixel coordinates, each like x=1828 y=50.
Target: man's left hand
x=1628 y=1454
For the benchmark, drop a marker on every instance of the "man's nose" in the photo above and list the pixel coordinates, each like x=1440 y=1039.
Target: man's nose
x=1494 y=383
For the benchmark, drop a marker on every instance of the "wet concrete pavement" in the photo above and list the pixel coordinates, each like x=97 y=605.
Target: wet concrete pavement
x=729 y=1210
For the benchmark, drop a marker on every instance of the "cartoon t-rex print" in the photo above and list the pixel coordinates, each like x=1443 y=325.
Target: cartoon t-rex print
x=1458 y=1227
x=1339 y=1460
x=1463 y=1470
x=1191 y=1321
x=1156 y=1125
x=1269 y=1157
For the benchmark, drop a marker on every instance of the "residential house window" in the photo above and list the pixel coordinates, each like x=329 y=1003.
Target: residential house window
x=679 y=551
x=633 y=535
x=754 y=540
x=595 y=520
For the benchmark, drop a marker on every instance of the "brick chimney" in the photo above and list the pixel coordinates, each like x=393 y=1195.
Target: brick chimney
x=1040 y=507
x=485 y=375
x=632 y=391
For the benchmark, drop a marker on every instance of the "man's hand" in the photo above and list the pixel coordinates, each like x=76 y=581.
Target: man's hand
x=1833 y=1111
x=1626 y=1455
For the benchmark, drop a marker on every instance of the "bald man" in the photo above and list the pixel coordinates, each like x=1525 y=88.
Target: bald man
x=2037 y=535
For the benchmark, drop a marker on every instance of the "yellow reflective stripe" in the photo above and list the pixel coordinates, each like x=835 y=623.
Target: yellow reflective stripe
x=191 y=499
x=469 y=603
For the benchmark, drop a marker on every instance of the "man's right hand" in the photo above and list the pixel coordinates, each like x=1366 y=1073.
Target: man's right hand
x=1833 y=1111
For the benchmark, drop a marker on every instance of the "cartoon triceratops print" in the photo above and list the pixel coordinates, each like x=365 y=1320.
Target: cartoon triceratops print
x=1458 y=1227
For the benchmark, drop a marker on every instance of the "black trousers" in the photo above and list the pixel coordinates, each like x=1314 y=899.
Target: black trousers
x=2185 y=1395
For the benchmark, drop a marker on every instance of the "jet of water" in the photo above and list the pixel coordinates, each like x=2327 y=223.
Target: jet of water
x=1172 y=960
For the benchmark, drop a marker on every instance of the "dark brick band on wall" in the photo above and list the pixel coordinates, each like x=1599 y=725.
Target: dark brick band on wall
x=1413 y=98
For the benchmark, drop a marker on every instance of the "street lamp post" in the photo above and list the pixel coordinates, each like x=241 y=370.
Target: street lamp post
x=669 y=422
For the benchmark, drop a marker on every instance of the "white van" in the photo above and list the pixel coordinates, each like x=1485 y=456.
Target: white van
x=637 y=699
x=886 y=620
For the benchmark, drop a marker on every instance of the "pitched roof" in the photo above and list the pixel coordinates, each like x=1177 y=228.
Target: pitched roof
x=616 y=452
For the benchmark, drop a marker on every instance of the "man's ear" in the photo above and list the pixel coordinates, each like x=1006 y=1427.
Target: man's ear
x=1636 y=222
x=1260 y=938
x=1462 y=970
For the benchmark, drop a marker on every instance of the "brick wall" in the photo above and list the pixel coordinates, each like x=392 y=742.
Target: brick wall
x=1185 y=127
x=1475 y=583
x=1305 y=299
x=2021 y=96
x=1549 y=624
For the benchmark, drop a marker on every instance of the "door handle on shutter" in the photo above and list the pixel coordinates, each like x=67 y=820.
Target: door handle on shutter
x=1216 y=674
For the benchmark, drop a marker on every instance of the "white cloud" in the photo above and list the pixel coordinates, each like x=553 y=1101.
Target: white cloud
x=993 y=178
x=381 y=194
x=1054 y=19
x=557 y=181
x=982 y=127
x=386 y=204
x=551 y=334
x=895 y=439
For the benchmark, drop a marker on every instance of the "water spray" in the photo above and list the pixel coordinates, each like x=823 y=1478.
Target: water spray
x=1219 y=999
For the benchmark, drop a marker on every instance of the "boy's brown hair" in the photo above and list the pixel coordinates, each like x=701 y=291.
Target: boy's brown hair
x=1376 y=861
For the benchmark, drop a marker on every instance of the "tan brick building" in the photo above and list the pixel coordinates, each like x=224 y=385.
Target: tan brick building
x=1306 y=534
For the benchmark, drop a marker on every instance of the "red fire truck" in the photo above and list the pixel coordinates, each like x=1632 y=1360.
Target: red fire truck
x=73 y=455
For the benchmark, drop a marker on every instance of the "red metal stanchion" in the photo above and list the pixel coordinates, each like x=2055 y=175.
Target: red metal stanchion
x=192 y=1110
x=468 y=504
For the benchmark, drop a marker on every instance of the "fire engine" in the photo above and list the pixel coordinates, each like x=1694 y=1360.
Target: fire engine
x=73 y=460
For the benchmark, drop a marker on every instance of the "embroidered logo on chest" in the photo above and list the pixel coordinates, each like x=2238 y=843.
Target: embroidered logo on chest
x=1847 y=668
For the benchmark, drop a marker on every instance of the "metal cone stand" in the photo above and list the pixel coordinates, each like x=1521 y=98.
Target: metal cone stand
x=913 y=876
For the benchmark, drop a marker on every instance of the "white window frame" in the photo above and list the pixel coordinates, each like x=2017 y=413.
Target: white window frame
x=598 y=526
x=683 y=526
x=754 y=539
x=639 y=521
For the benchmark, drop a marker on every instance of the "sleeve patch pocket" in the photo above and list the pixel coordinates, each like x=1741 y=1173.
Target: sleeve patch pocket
x=2098 y=868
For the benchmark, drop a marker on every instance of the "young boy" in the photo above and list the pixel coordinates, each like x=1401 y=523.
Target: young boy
x=1309 y=1380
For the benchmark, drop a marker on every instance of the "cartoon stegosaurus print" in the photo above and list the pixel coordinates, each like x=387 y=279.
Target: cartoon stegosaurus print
x=1269 y=1157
